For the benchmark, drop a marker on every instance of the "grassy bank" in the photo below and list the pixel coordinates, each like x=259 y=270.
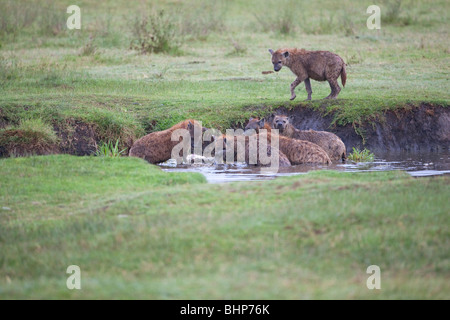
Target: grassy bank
x=214 y=75
x=309 y=236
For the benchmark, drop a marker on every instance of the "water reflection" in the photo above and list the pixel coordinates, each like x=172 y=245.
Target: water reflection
x=416 y=164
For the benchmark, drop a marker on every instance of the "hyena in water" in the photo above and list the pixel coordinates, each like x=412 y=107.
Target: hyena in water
x=328 y=141
x=296 y=151
x=157 y=147
x=316 y=65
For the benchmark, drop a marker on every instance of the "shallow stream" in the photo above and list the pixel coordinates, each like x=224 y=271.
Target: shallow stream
x=416 y=164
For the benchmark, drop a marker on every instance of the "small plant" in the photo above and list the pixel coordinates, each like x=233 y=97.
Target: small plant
x=361 y=156
x=155 y=33
x=354 y=58
x=108 y=149
x=162 y=72
x=89 y=48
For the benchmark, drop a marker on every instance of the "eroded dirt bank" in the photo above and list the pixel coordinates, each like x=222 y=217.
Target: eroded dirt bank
x=425 y=128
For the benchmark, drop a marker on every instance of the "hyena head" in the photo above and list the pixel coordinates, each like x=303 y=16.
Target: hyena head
x=281 y=122
x=255 y=124
x=278 y=59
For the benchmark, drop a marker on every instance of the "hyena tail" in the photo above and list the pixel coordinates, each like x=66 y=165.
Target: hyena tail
x=343 y=75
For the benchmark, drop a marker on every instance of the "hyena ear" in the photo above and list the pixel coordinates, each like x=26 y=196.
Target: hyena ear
x=271 y=51
x=291 y=119
x=286 y=54
x=262 y=123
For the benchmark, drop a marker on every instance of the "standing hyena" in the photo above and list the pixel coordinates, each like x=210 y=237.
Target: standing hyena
x=317 y=65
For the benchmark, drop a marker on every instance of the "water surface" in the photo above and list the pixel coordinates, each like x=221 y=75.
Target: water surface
x=416 y=164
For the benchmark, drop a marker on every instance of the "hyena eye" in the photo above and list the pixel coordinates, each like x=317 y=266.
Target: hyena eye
x=279 y=61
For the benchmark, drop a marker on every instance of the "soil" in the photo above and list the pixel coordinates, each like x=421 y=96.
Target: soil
x=425 y=128
x=77 y=138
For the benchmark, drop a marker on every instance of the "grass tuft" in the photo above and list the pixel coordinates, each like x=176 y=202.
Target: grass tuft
x=361 y=156
x=89 y=49
x=155 y=33
x=110 y=150
x=32 y=136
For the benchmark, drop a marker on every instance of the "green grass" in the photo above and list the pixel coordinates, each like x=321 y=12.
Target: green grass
x=31 y=135
x=110 y=149
x=361 y=155
x=35 y=125
x=138 y=232
x=216 y=77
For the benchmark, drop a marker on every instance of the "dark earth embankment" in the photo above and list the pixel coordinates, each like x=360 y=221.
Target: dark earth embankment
x=77 y=138
x=422 y=128
x=425 y=128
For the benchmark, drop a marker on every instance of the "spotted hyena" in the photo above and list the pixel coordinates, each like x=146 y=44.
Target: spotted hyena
x=306 y=65
x=328 y=141
x=283 y=161
x=157 y=146
x=296 y=151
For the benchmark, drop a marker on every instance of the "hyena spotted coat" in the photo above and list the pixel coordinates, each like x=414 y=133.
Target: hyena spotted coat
x=328 y=141
x=283 y=161
x=297 y=151
x=306 y=65
x=157 y=146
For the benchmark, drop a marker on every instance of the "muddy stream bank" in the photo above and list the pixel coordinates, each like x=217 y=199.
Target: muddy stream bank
x=414 y=139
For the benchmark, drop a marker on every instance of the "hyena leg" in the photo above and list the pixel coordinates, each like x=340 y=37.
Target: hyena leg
x=335 y=89
x=308 y=88
x=293 y=86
